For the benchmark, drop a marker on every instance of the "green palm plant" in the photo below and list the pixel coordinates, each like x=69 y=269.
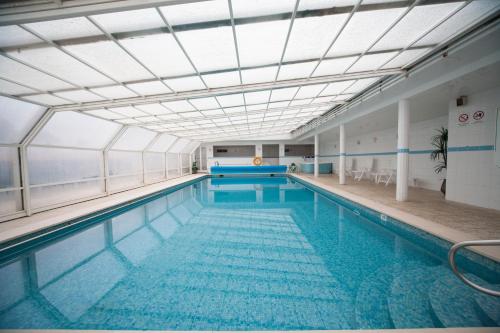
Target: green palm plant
x=440 y=153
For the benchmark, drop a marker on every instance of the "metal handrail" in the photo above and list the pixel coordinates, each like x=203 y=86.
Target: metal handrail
x=451 y=259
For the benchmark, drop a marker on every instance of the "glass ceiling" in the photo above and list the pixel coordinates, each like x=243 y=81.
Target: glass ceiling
x=224 y=68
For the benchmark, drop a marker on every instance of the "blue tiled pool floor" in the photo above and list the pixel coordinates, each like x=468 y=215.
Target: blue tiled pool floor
x=260 y=255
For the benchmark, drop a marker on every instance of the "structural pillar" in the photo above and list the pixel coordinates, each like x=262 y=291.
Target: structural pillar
x=403 y=150
x=316 y=155
x=342 y=155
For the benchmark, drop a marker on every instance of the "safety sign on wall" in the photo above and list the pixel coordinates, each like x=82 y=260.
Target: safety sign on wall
x=465 y=118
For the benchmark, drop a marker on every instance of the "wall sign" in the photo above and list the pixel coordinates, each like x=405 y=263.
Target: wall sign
x=478 y=115
x=463 y=118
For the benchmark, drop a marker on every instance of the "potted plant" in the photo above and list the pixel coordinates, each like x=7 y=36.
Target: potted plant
x=440 y=153
x=194 y=167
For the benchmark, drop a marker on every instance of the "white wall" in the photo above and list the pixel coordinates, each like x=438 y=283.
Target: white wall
x=473 y=177
x=380 y=147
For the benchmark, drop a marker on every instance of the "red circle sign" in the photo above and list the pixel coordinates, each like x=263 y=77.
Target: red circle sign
x=478 y=115
x=463 y=117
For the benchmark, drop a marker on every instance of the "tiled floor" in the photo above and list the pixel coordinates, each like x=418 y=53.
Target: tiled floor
x=479 y=223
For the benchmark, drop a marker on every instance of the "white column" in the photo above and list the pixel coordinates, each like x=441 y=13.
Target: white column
x=403 y=150
x=342 y=155
x=316 y=155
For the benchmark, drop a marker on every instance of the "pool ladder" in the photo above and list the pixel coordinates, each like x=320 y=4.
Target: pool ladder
x=451 y=259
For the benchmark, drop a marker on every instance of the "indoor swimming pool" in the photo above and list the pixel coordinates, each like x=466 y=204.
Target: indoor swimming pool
x=242 y=253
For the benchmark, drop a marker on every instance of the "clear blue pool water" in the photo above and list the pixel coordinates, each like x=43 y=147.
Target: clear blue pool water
x=242 y=254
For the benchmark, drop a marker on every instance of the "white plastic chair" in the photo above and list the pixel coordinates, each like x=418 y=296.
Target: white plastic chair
x=367 y=171
x=385 y=176
x=350 y=170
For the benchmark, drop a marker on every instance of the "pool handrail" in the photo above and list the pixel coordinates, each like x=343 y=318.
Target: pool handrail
x=451 y=260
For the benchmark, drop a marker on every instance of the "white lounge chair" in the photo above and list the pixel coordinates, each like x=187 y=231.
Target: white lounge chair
x=365 y=172
x=350 y=170
x=385 y=176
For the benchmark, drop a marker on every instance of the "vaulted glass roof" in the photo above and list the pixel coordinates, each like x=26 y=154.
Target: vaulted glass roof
x=224 y=68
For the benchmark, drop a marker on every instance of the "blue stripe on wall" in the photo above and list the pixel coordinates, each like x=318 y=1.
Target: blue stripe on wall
x=471 y=148
x=418 y=152
x=403 y=150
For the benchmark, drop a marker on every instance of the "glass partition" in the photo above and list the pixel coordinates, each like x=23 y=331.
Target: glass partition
x=173 y=165
x=185 y=164
x=10 y=183
x=154 y=167
x=125 y=170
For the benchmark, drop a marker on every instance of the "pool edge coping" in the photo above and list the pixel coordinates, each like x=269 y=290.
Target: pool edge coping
x=438 y=230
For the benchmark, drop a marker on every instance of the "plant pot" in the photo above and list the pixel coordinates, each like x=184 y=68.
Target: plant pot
x=443 y=187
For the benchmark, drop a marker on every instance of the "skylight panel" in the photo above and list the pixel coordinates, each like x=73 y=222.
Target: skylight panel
x=283 y=94
x=193 y=114
x=154 y=109
x=235 y=109
x=310 y=91
x=343 y=97
x=210 y=49
x=134 y=138
x=325 y=99
x=114 y=92
x=185 y=83
x=60 y=64
x=335 y=88
x=106 y=114
x=148 y=119
x=130 y=20
x=257 y=97
x=405 y=58
x=149 y=88
x=360 y=85
x=162 y=143
x=196 y=12
x=13 y=35
x=111 y=59
x=253 y=39
x=172 y=116
x=333 y=66
x=166 y=60
x=179 y=106
x=205 y=103
x=128 y=121
x=258 y=75
x=47 y=99
x=256 y=107
x=79 y=96
x=320 y=4
x=471 y=13
x=216 y=112
x=301 y=101
x=14 y=89
x=231 y=100
x=307 y=41
x=18 y=72
x=74 y=27
x=245 y=8
x=17 y=118
x=297 y=70
x=274 y=105
x=225 y=79
x=371 y=62
x=128 y=111
x=362 y=30
x=409 y=28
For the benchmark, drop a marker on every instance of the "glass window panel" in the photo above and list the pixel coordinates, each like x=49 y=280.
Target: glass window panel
x=73 y=129
x=130 y=20
x=409 y=28
x=343 y=97
x=14 y=89
x=179 y=106
x=320 y=4
x=405 y=58
x=295 y=71
x=218 y=80
x=114 y=92
x=459 y=21
x=163 y=142
x=245 y=8
x=9 y=169
x=154 y=167
x=148 y=119
x=103 y=113
x=210 y=49
x=206 y=103
x=322 y=100
x=149 y=88
x=167 y=58
x=17 y=118
x=134 y=138
x=128 y=121
x=154 y=109
x=59 y=63
x=196 y=12
x=362 y=30
x=185 y=83
x=194 y=114
x=257 y=75
x=79 y=96
x=268 y=36
x=74 y=27
x=169 y=116
x=111 y=59
x=13 y=35
x=179 y=145
x=173 y=165
x=231 y=100
x=47 y=99
x=305 y=41
x=310 y=91
x=17 y=72
x=333 y=66
x=360 y=85
x=235 y=109
x=257 y=97
x=301 y=101
x=274 y=105
x=128 y=111
x=257 y=107
x=125 y=169
x=213 y=112
x=335 y=88
x=283 y=94
x=371 y=62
